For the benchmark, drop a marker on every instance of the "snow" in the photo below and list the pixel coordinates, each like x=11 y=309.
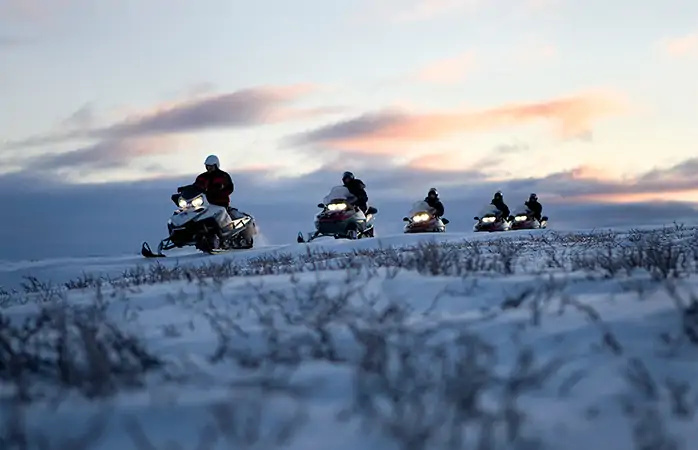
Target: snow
x=364 y=353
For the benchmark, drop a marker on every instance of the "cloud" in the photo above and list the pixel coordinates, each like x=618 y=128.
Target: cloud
x=507 y=149
x=107 y=154
x=681 y=45
x=83 y=117
x=447 y=71
x=579 y=198
x=388 y=131
x=473 y=168
x=243 y=108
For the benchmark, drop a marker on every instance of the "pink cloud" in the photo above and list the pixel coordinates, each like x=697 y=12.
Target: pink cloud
x=681 y=45
x=389 y=131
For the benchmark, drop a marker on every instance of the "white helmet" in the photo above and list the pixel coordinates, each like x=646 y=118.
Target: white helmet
x=212 y=160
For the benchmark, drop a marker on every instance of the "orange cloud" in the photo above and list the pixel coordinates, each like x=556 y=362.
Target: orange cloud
x=390 y=131
x=448 y=70
x=591 y=184
x=681 y=45
x=589 y=173
x=690 y=195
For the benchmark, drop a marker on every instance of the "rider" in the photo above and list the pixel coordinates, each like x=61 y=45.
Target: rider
x=357 y=188
x=433 y=201
x=498 y=202
x=535 y=206
x=216 y=183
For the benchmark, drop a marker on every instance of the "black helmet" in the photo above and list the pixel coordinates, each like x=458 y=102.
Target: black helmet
x=498 y=195
x=347 y=175
x=433 y=191
x=533 y=196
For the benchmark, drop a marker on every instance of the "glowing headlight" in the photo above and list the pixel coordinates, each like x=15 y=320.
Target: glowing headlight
x=423 y=217
x=337 y=206
x=198 y=201
x=488 y=219
x=520 y=218
x=182 y=203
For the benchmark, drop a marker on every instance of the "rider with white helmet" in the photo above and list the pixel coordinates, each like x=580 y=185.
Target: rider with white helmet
x=215 y=182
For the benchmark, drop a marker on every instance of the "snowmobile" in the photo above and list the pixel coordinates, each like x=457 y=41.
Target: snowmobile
x=210 y=228
x=340 y=219
x=421 y=219
x=523 y=219
x=491 y=219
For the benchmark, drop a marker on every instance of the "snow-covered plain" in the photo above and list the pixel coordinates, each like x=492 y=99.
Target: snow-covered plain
x=523 y=340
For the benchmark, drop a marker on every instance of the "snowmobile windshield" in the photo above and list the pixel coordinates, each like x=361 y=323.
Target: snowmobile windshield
x=489 y=210
x=420 y=207
x=338 y=194
x=521 y=210
x=190 y=192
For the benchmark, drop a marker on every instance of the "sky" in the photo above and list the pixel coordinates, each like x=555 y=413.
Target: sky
x=107 y=105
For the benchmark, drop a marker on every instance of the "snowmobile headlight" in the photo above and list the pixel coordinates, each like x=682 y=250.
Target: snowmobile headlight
x=337 y=206
x=198 y=201
x=520 y=218
x=422 y=217
x=182 y=203
x=488 y=219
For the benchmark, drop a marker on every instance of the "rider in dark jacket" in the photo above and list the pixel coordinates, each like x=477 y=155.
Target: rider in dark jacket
x=433 y=201
x=357 y=189
x=498 y=202
x=216 y=183
x=535 y=207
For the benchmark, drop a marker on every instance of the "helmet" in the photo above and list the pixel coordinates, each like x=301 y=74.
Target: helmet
x=498 y=195
x=433 y=191
x=347 y=175
x=533 y=196
x=212 y=160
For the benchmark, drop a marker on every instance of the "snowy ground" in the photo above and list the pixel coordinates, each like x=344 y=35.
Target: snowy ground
x=525 y=340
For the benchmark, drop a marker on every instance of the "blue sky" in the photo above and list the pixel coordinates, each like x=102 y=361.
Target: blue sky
x=599 y=97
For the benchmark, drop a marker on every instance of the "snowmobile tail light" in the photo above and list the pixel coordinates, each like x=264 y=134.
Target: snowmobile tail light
x=198 y=201
x=488 y=219
x=337 y=206
x=421 y=217
x=182 y=203
x=520 y=218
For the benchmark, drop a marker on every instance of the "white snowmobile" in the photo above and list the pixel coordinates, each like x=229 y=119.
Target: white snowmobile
x=210 y=228
x=491 y=219
x=340 y=219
